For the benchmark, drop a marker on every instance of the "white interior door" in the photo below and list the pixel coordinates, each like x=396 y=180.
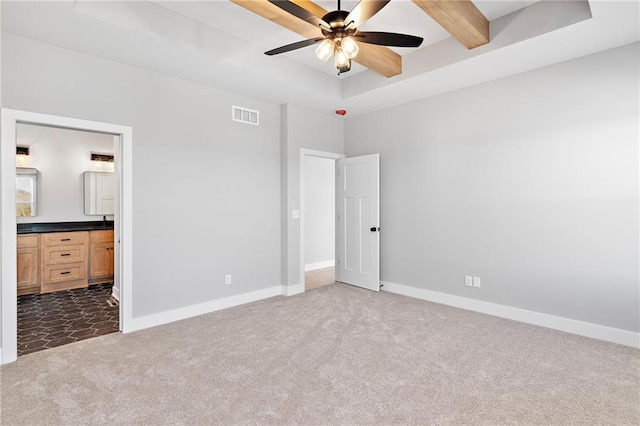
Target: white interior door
x=357 y=221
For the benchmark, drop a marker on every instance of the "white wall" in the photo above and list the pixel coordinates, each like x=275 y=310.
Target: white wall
x=319 y=211
x=61 y=156
x=206 y=190
x=529 y=182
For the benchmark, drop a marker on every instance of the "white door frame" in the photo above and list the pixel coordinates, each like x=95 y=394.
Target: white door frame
x=311 y=153
x=8 y=267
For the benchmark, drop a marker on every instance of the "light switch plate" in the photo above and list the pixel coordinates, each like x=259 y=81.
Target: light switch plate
x=476 y=282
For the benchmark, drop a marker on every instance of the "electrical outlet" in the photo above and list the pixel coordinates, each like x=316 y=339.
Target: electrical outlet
x=227 y=279
x=295 y=214
x=468 y=280
x=476 y=282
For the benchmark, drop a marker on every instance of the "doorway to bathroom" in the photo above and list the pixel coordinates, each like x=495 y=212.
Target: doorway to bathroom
x=60 y=255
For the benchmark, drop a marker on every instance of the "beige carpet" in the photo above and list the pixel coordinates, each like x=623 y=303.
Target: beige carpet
x=335 y=355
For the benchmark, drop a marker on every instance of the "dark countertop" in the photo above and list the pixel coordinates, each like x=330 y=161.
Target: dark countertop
x=41 y=228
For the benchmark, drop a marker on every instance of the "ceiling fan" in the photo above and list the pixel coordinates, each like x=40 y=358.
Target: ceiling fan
x=340 y=32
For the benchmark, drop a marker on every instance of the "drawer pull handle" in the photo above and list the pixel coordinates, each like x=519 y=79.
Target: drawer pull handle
x=65 y=273
x=65 y=239
x=65 y=254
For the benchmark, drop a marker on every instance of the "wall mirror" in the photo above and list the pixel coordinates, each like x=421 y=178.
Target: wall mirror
x=26 y=185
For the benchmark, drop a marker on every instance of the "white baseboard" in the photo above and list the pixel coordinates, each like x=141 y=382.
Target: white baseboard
x=319 y=265
x=115 y=293
x=291 y=290
x=601 y=332
x=200 y=309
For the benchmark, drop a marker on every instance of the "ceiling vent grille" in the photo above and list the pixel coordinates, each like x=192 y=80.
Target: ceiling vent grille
x=245 y=115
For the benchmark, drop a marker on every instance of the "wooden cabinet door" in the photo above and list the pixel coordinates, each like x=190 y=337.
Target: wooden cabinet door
x=111 y=258
x=28 y=256
x=101 y=259
x=28 y=271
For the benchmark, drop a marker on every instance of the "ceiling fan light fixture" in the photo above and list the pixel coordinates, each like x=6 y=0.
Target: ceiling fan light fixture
x=340 y=59
x=349 y=47
x=345 y=68
x=325 y=49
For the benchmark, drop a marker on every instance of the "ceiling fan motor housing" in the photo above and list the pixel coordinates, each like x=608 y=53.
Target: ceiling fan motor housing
x=338 y=27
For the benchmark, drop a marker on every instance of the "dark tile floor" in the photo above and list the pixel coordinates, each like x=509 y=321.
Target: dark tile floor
x=54 y=319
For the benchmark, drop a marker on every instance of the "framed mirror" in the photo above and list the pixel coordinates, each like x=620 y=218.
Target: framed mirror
x=26 y=186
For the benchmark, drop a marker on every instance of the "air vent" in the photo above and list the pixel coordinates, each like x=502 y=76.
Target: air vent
x=245 y=115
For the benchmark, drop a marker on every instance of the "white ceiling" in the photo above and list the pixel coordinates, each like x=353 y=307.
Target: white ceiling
x=220 y=44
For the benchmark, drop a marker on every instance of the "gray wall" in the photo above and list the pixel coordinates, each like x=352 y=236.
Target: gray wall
x=61 y=156
x=529 y=182
x=206 y=190
x=319 y=209
x=301 y=128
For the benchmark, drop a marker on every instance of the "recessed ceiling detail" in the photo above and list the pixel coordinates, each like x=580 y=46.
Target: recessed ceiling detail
x=221 y=45
x=461 y=18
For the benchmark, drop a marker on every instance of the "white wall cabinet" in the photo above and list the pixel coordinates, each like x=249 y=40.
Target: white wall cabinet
x=99 y=193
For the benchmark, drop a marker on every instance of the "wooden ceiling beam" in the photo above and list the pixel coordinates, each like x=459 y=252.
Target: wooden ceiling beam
x=461 y=18
x=380 y=59
x=276 y=15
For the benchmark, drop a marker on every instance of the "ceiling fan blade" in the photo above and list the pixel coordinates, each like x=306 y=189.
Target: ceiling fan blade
x=294 y=46
x=388 y=39
x=364 y=10
x=300 y=12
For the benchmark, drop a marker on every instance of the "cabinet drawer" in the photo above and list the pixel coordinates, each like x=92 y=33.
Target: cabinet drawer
x=60 y=273
x=64 y=238
x=102 y=236
x=64 y=254
x=28 y=240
